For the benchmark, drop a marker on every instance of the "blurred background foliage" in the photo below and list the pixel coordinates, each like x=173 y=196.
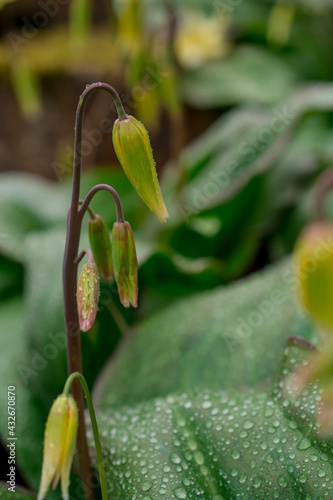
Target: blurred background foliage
x=238 y=99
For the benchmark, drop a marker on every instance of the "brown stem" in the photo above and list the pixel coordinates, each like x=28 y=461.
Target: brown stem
x=323 y=186
x=301 y=342
x=74 y=221
x=93 y=191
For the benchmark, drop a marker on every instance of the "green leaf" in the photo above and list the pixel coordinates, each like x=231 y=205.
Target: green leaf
x=240 y=329
x=213 y=445
x=249 y=74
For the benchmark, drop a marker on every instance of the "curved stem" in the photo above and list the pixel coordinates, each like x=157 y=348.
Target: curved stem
x=301 y=342
x=88 y=252
x=93 y=191
x=99 y=453
x=90 y=210
x=72 y=325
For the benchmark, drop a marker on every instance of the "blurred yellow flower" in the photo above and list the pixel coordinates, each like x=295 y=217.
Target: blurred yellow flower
x=200 y=39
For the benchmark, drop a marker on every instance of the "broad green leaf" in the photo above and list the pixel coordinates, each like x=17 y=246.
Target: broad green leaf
x=27 y=204
x=229 y=337
x=249 y=74
x=212 y=445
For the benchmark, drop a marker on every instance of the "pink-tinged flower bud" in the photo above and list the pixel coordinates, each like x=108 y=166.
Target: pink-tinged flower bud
x=88 y=295
x=59 y=445
x=313 y=269
x=101 y=246
x=125 y=263
x=132 y=146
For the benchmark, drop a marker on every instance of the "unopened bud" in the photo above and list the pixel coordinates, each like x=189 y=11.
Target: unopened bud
x=101 y=246
x=132 y=146
x=313 y=268
x=59 y=445
x=88 y=295
x=125 y=263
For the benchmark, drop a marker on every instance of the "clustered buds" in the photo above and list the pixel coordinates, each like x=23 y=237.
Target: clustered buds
x=114 y=260
x=101 y=246
x=125 y=263
x=132 y=146
x=88 y=295
x=59 y=445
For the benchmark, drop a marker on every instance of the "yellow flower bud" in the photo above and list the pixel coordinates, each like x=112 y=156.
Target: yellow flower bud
x=132 y=146
x=125 y=263
x=101 y=246
x=59 y=445
x=313 y=268
x=88 y=295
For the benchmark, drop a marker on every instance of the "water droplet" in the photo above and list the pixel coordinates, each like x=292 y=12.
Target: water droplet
x=248 y=424
x=304 y=444
x=235 y=454
x=256 y=482
x=283 y=481
x=302 y=478
x=321 y=473
x=175 y=458
x=180 y=493
x=205 y=405
x=199 y=458
x=242 y=478
x=146 y=485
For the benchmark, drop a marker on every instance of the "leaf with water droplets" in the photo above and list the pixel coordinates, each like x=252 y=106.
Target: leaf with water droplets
x=229 y=337
x=249 y=448
x=188 y=438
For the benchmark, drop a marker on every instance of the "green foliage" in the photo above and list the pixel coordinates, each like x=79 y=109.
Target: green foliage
x=226 y=427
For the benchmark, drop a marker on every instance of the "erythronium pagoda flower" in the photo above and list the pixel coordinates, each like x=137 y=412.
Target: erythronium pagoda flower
x=88 y=295
x=101 y=246
x=132 y=146
x=59 y=445
x=313 y=271
x=125 y=263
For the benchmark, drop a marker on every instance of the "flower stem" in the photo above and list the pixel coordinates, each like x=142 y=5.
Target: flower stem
x=99 y=453
x=70 y=265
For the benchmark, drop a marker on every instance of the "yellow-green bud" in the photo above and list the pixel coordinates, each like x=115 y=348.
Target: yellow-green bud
x=88 y=295
x=101 y=246
x=313 y=268
x=59 y=445
x=132 y=146
x=125 y=263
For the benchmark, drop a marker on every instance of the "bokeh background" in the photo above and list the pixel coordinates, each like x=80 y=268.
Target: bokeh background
x=237 y=96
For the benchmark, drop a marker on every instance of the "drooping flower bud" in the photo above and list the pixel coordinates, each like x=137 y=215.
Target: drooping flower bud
x=59 y=445
x=88 y=295
x=313 y=268
x=125 y=263
x=101 y=246
x=132 y=146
